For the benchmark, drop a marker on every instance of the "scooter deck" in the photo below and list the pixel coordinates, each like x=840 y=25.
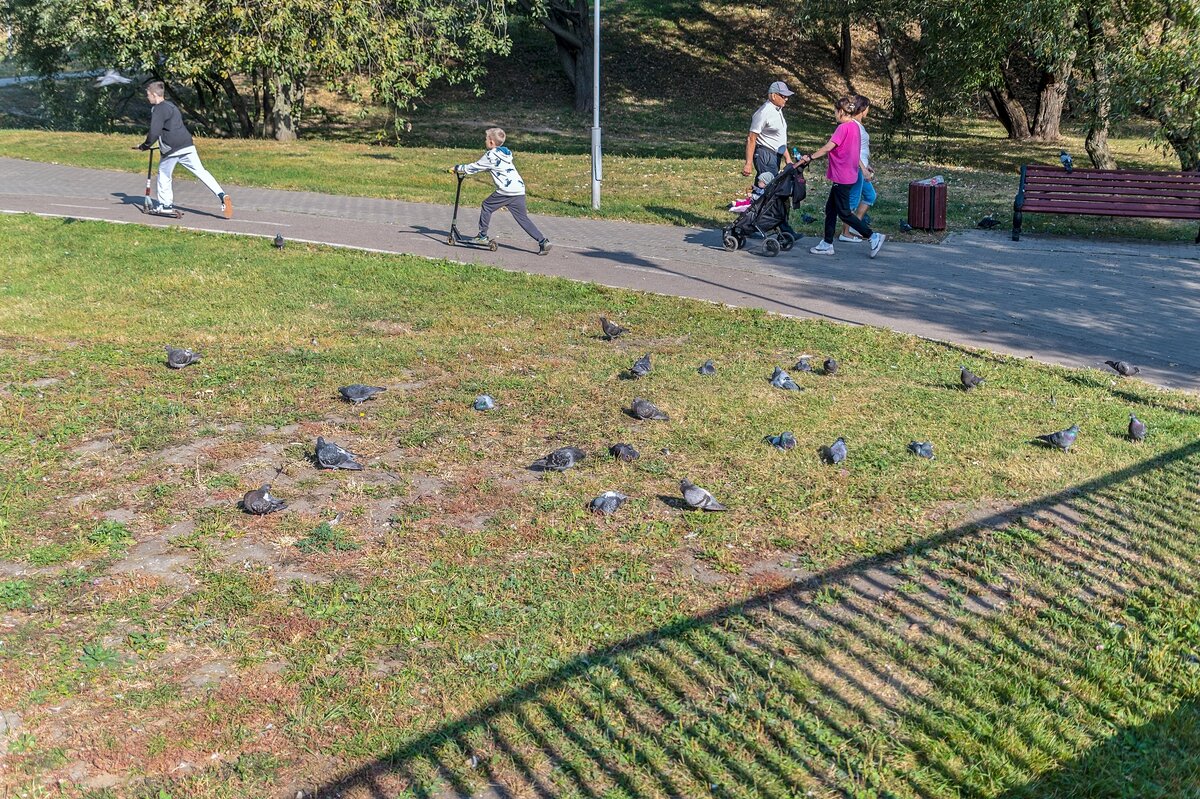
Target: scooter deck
x=156 y=212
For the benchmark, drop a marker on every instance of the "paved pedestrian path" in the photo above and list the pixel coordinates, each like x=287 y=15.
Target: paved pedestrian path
x=1065 y=301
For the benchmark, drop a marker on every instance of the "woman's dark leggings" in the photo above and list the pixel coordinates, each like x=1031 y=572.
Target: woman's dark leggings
x=838 y=207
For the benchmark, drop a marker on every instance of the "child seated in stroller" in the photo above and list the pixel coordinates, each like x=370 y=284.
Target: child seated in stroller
x=760 y=185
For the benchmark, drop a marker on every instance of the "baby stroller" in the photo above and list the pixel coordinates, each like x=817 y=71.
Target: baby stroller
x=768 y=215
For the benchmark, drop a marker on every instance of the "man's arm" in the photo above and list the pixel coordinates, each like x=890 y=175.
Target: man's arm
x=751 y=143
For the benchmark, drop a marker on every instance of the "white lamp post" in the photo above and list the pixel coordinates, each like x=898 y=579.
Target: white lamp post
x=596 y=172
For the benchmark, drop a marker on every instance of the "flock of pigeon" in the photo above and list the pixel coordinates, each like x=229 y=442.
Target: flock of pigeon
x=328 y=455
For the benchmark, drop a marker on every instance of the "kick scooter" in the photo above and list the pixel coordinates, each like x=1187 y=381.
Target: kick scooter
x=147 y=206
x=456 y=239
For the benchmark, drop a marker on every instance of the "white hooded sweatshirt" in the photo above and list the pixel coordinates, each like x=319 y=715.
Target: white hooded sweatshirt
x=498 y=161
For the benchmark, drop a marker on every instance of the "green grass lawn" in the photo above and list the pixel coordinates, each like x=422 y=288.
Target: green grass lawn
x=1004 y=620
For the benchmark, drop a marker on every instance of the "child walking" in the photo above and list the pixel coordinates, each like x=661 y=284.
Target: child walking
x=510 y=189
x=175 y=147
x=844 y=149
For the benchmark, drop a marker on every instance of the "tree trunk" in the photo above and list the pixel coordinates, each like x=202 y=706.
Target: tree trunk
x=268 y=105
x=239 y=106
x=1188 y=150
x=845 y=51
x=895 y=76
x=1052 y=95
x=285 y=115
x=571 y=24
x=1096 y=143
x=1009 y=111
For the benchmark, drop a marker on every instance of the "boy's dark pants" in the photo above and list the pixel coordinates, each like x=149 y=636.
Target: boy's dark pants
x=838 y=207
x=516 y=207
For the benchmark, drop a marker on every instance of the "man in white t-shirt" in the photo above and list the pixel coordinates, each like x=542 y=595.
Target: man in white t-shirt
x=767 y=142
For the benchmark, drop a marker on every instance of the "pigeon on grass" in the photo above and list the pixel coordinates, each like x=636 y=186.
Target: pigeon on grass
x=641 y=367
x=969 y=379
x=1137 y=429
x=707 y=368
x=260 y=502
x=560 y=459
x=696 y=497
x=484 y=402
x=179 y=358
x=784 y=441
x=781 y=379
x=830 y=366
x=624 y=452
x=1123 y=368
x=804 y=364
x=607 y=503
x=611 y=329
x=988 y=222
x=331 y=456
x=835 y=453
x=922 y=449
x=357 y=393
x=1063 y=439
x=646 y=410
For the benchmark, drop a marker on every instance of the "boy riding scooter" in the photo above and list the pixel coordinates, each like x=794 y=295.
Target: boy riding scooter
x=509 y=193
x=175 y=147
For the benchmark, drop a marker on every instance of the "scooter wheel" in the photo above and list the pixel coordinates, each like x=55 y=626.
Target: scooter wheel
x=493 y=246
x=450 y=240
x=731 y=242
x=771 y=247
x=786 y=241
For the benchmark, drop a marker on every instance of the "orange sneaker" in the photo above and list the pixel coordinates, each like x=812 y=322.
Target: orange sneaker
x=227 y=206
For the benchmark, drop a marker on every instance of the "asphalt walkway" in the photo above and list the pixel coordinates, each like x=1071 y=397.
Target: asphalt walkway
x=1065 y=301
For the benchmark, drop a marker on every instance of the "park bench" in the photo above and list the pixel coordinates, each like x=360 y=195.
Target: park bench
x=1106 y=192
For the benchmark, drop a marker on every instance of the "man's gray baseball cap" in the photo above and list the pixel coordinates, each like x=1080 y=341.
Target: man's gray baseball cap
x=779 y=87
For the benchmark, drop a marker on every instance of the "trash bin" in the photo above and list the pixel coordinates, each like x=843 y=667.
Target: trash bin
x=927 y=204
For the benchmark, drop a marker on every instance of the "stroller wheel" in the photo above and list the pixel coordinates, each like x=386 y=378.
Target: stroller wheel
x=730 y=241
x=786 y=241
x=771 y=247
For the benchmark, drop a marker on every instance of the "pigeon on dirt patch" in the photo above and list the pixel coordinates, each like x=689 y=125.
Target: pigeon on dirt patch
x=278 y=242
x=707 y=368
x=560 y=459
x=624 y=452
x=1063 y=439
x=988 y=222
x=1123 y=368
x=111 y=77
x=358 y=393
x=922 y=449
x=611 y=329
x=641 y=367
x=607 y=503
x=969 y=379
x=830 y=366
x=697 y=497
x=645 y=409
x=179 y=358
x=835 y=452
x=260 y=502
x=905 y=227
x=1137 y=429
x=807 y=218
x=781 y=379
x=1066 y=160
x=331 y=456
x=784 y=441
x=804 y=364
x=484 y=402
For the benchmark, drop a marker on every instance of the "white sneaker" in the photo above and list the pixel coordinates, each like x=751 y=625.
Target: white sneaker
x=877 y=240
x=823 y=248
x=850 y=239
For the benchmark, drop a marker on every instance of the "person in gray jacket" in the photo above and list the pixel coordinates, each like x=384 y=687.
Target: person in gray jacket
x=175 y=147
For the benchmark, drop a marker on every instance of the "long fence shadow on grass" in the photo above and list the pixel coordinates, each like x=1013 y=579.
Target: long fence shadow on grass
x=965 y=665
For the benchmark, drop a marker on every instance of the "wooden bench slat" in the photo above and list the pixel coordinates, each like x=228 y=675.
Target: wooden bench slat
x=1163 y=212
x=1118 y=188
x=1102 y=197
x=1104 y=174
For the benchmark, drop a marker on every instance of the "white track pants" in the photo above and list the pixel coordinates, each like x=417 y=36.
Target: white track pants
x=191 y=162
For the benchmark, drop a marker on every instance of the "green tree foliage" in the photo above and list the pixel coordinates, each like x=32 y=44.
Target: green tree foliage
x=247 y=63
